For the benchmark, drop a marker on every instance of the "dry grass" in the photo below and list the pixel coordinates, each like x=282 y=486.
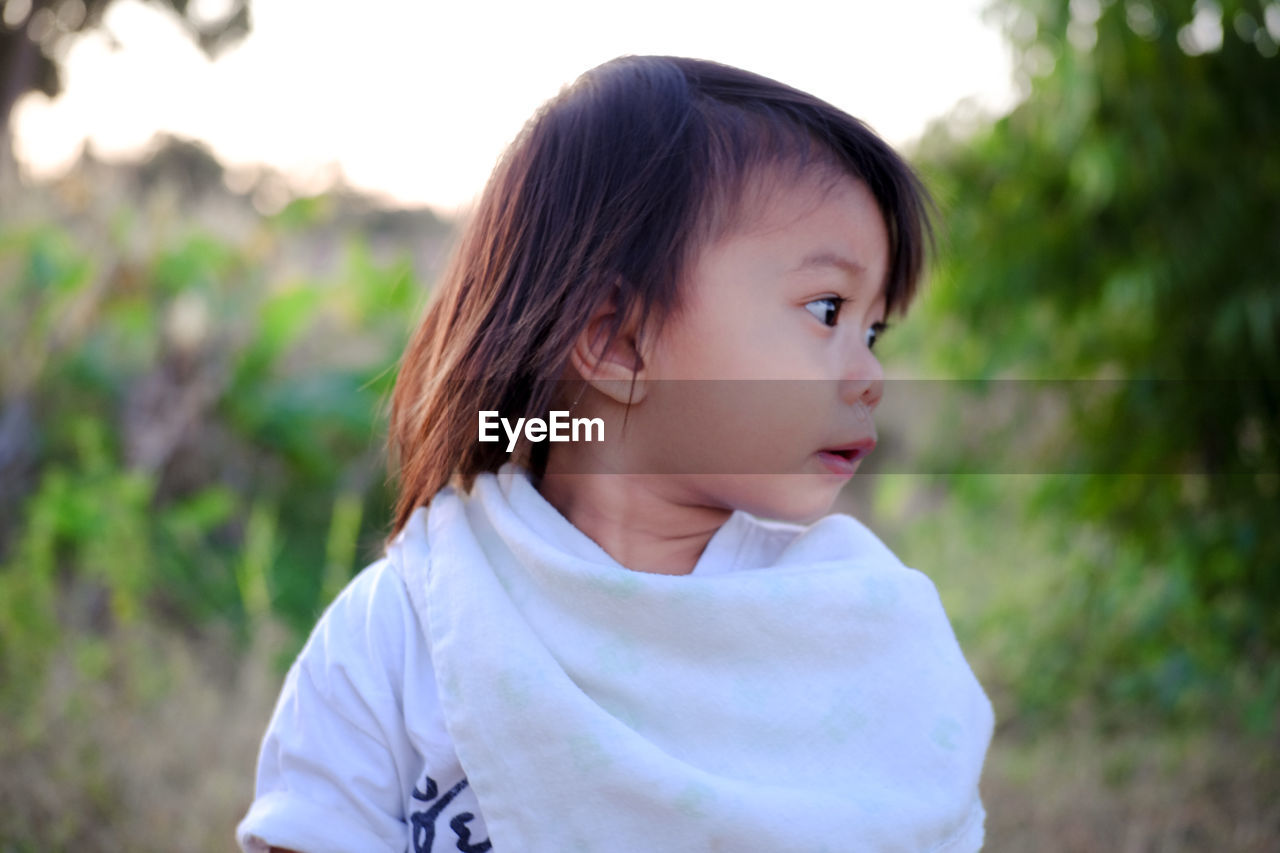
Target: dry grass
x=154 y=751
x=1077 y=790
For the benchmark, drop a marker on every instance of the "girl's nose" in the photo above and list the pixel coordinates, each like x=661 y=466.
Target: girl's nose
x=863 y=381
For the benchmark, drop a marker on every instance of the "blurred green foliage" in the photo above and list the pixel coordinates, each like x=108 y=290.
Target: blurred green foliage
x=1122 y=224
x=191 y=427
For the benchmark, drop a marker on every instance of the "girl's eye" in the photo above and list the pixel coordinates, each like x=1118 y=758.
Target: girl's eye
x=827 y=310
x=874 y=333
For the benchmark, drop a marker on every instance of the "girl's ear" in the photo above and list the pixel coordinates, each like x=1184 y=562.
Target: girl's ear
x=616 y=367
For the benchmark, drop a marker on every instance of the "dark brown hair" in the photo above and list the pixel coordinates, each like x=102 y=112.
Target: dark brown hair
x=608 y=191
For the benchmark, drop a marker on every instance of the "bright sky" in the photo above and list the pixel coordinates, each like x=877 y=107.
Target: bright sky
x=416 y=99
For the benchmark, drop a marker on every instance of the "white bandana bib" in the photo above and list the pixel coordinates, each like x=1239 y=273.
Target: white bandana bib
x=819 y=703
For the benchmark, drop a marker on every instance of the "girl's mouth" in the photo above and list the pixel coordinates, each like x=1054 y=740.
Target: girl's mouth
x=843 y=460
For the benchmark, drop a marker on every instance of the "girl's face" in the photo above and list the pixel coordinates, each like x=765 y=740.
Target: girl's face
x=778 y=322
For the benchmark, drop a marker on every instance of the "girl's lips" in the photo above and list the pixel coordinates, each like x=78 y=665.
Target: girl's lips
x=843 y=460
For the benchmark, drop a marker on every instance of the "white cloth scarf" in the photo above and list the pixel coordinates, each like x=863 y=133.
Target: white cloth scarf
x=820 y=703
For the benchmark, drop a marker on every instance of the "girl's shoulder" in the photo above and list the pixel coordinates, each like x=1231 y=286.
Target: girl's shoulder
x=371 y=637
x=359 y=640
x=377 y=605
x=371 y=650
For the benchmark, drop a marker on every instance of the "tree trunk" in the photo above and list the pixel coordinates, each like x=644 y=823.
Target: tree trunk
x=19 y=65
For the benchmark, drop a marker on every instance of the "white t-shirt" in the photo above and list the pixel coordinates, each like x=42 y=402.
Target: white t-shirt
x=356 y=756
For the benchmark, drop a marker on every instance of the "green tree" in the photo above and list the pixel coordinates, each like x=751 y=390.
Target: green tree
x=1123 y=223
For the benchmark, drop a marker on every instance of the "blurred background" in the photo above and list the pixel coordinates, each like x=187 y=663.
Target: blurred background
x=219 y=221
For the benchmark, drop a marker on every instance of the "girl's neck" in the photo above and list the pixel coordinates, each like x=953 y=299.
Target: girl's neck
x=639 y=521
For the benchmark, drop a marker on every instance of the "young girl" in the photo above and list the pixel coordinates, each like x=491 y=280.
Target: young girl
x=597 y=643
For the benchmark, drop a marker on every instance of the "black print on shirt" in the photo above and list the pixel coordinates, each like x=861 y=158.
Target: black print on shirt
x=460 y=829
x=424 y=822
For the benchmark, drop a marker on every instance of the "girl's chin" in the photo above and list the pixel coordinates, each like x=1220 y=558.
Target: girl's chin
x=795 y=498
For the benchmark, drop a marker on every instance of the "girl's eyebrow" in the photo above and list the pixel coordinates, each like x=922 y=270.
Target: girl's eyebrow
x=831 y=259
